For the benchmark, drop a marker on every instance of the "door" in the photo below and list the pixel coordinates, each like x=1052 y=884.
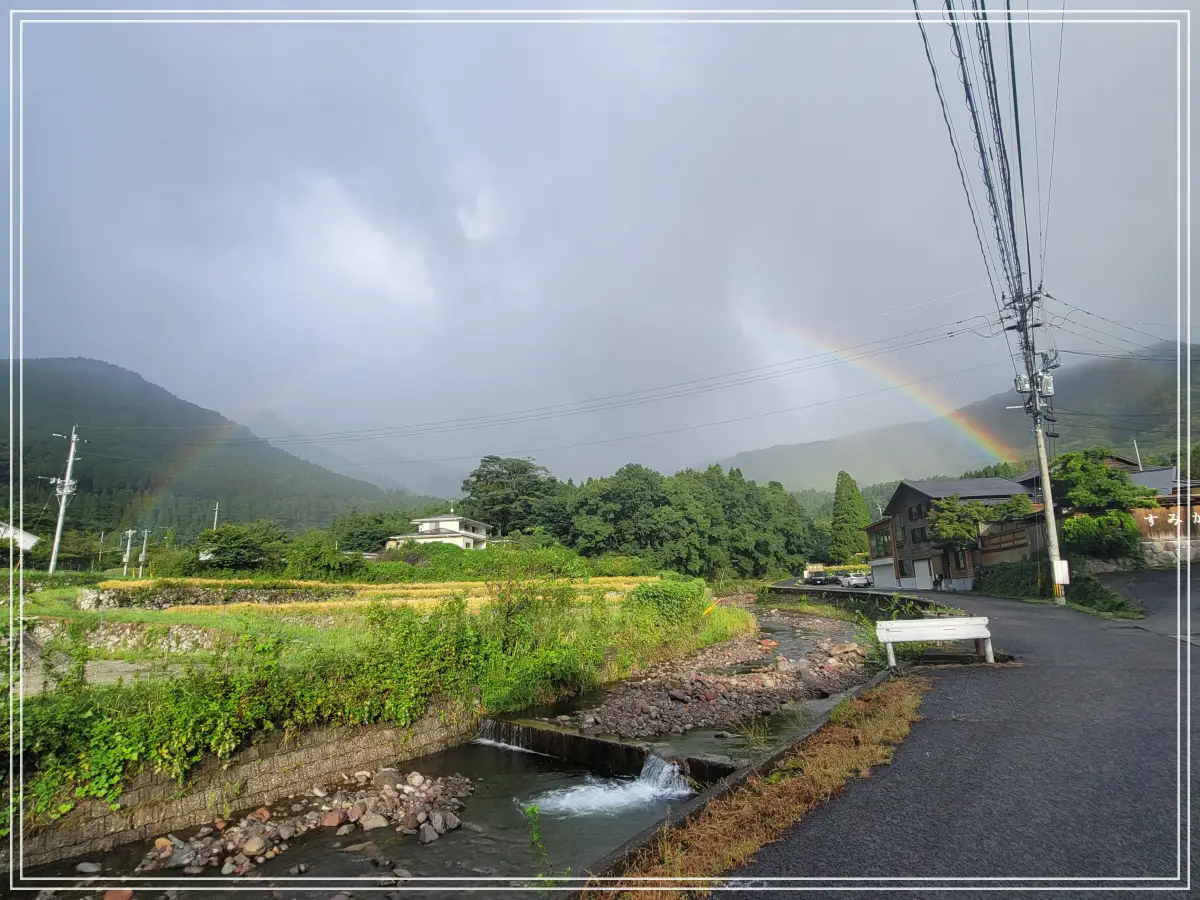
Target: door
x=923 y=570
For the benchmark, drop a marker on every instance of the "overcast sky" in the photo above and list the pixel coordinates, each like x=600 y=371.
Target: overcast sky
x=360 y=226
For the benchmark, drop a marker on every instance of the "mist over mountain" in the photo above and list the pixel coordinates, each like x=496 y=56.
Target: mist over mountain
x=1108 y=400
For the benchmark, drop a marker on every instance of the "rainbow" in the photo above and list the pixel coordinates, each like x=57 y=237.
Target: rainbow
x=879 y=367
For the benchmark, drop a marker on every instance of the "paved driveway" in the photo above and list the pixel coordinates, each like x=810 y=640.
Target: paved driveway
x=1065 y=767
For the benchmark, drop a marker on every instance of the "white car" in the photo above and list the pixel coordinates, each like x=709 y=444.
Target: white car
x=856 y=579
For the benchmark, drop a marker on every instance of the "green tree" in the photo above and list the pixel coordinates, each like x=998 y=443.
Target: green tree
x=259 y=545
x=849 y=519
x=1084 y=483
x=997 y=470
x=316 y=556
x=955 y=521
x=1018 y=506
x=504 y=492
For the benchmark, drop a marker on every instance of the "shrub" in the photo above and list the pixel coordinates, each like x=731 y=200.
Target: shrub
x=179 y=563
x=1087 y=591
x=315 y=556
x=613 y=565
x=1014 y=579
x=674 y=601
x=1110 y=535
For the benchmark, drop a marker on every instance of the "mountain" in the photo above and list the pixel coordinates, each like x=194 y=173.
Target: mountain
x=1108 y=400
x=354 y=459
x=154 y=460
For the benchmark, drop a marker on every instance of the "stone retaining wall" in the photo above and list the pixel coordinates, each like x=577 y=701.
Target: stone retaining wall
x=162 y=596
x=1163 y=554
x=114 y=636
x=275 y=767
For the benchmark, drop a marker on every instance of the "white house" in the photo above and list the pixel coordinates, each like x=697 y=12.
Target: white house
x=447 y=529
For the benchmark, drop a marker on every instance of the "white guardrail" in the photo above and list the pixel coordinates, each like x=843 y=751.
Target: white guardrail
x=961 y=628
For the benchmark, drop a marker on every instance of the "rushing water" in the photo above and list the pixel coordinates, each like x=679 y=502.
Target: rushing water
x=660 y=780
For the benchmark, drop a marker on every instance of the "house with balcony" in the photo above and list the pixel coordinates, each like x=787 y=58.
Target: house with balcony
x=918 y=560
x=446 y=529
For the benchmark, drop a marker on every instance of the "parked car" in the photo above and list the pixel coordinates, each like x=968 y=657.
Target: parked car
x=819 y=577
x=857 y=579
x=840 y=577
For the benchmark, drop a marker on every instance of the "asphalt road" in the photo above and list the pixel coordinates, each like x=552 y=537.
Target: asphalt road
x=1063 y=767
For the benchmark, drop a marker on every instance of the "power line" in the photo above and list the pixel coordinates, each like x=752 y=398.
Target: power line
x=1097 y=315
x=599 y=405
x=1054 y=133
x=1012 y=72
x=774 y=412
x=1037 y=153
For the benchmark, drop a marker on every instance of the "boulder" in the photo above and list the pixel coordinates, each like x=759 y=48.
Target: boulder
x=452 y=821
x=427 y=834
x=333 y=818
x=88 y=868
x=254 y=846
x=373 y=820
x=438 y=821
x=387 y=778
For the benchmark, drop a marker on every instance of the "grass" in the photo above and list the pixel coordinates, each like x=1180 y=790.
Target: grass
x=861 y=735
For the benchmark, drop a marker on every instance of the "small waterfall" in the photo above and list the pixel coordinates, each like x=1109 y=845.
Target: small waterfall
x=659 y=780
x=506 y=736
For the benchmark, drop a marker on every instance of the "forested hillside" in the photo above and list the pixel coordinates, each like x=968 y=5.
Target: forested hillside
x=153 y=460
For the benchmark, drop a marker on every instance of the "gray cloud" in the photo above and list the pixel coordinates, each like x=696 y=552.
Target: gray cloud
x=361 y=226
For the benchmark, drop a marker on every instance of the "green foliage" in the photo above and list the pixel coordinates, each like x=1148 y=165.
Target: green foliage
x=236 y=548
x=614 y=565
x=538 y=639
x=1110 y=535
x=368 y=532
x=314 y=556
x=674 y=601
x=997 y=470
x=1015 y=507
x=1083 y=482
x=1086 y=591
x=956 y=522
x=180 y=563
x=505 y=492
x=849 y=519
x=1013 y=579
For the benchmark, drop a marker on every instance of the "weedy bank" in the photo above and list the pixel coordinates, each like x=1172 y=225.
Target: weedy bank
x=532 y=639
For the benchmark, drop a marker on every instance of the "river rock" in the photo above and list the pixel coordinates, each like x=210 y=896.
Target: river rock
x=286 y=830
x=333 y=818
x=354 y=813
x=437 y=821
x=253 y=846
x=88 y=868
x=345 y=829
x=427 y=834
x=416 y=779
x=402 y=873
x=373 y=820
x=318 y=791
x=122 y=894
x=678 y=696
x=228 y=867
x=409 y=822
x=193 y=870
x=452 y=821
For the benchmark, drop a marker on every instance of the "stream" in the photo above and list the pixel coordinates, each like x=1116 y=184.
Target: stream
x=583 y=810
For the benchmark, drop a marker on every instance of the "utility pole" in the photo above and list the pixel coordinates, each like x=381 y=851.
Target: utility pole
x=142 y=558
x=100 y=555
x=128 y=549
x=215 y=511
x=1138 y=455
x=64 y=488
x=1037 y=385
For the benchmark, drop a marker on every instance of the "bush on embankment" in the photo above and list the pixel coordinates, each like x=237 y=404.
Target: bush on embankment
x=539 y=640
x=1028 y=581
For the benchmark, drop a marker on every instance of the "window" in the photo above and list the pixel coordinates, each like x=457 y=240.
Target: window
x=905 y=571
x=919 y=535
x=899 y=530
x=881 y=544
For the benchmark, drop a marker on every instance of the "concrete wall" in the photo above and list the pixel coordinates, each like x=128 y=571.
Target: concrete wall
x=154 y=804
